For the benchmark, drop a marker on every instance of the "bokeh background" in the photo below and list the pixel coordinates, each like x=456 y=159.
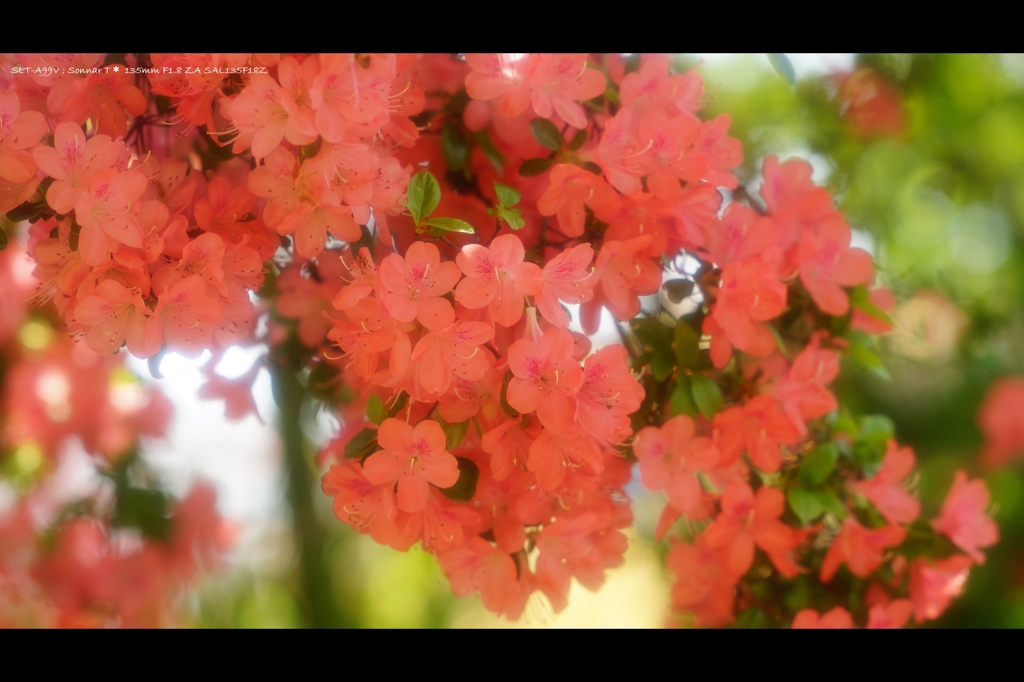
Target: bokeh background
x=925 y=155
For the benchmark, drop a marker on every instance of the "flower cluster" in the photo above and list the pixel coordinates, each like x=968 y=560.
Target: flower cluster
x=85 y=550
x=88 y=572
x=775 y=482
x=537 y=470
x=422 y=227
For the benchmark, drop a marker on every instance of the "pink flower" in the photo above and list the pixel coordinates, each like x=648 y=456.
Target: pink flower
x=415 y=285
x=223 y=206
x=621 y=154
x=1000 y=420
x=363 y=278
x=580 y=545
x=892 y=615
x=935 y=583
x=653 y=88
x=861 y=549
x=554 y=454
x=498 y=278
x=414 y=457
x=747 y=520
x=963 y=519
x=444 y=523
x=803 y=391
x=566 y=278
x=301 y=202
x=350 y=97
x=836 y=619
x=608 y=395
x=750 y=295
x=236 y=393
x=185 y=316
x=670 y=458
x=562 y=80
x=758 y=428
x=477 y=566
x=884 y=490
x=626 y=273
x=546 y=379
x=113 y=315
x=701 y=586
x=18 y=131
x=501 y=77
x=270 y=114
x=795 y=203
x=102 y=209
x=827 y=263
x=456 y=351
x=669 y=159
x=367 y=507
x=367 y=331
x=740 y=233
x=71 y=161
x=508 y=445
x=572 y=189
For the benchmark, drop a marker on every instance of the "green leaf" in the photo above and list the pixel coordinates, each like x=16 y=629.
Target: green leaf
x=424 y=195
x=752 y=618
x=507 y=196
x=3 y=239
x=361 y=444
x=662 y=364
x=687 y=343
x=578 y=140
x=28 y=211
x=492 y=153
x=512 y=216
x=454 y=433
x=706 y=395
x=845 y=423
x=375 y=411
x=783 y=67
x=323 y=382
x=653 y=333
x=503 y=396
x=142 y=508
x=869 y=360
x=779 y=343
x=816 y=466
x=832 y=504
x=458 y=103
x=532 y=167
x=454 y=146
x=806 y=504
x=707 y=484
x=547 y=133
x=440 y=226
x=310 y=150
x=861 y=300
x=681 y=401
x=877 y=428
x=678 y=289
x=590 y=167
x=464 y=488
